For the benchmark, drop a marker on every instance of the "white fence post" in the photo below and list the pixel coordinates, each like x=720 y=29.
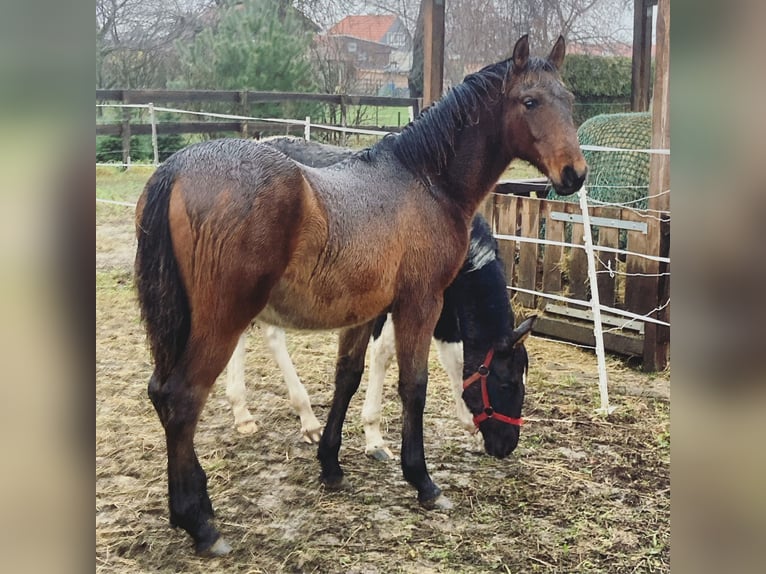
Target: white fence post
x=307 y=129
x=154 y=135
x=598 y=332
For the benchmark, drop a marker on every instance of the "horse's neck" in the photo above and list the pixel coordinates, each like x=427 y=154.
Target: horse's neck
x=477 y=164
x=484 y=310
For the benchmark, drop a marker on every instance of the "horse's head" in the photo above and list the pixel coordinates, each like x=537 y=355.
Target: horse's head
x=538 y=112
x=495 y=393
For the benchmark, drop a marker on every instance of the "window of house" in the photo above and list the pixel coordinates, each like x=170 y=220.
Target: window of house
x=352 y=46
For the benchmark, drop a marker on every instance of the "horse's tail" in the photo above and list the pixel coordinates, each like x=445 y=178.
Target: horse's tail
x=161 y=294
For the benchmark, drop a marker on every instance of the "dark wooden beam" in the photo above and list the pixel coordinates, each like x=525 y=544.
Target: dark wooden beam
x=642 y=55
x=657 y=337
x=433 y=50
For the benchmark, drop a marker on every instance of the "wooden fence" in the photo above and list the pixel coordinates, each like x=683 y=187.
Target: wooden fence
x=562 y=271
x=240 y=103
x=625 y=282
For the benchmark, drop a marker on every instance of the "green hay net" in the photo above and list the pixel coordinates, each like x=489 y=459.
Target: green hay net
x=616 y=177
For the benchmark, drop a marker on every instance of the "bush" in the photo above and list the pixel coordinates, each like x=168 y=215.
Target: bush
x=601 y=84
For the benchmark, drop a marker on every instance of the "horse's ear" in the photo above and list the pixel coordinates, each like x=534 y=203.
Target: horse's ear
x=522 y=332
x=556 y=57
x=521 y=53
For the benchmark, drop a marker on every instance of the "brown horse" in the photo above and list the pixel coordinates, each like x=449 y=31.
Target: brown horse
x=230 y=230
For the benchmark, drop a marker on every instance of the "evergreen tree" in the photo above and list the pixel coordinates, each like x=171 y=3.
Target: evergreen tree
x=255 y=45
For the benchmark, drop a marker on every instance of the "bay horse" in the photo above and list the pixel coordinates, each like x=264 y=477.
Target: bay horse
x=482 y=271
x=230 y=230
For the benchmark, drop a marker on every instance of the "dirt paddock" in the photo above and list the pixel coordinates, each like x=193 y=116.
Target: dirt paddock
x=582 y=493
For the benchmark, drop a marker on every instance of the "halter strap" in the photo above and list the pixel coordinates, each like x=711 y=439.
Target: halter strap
x=488 y=412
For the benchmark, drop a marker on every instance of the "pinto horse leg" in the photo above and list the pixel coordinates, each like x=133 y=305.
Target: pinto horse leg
x=235 y=389
x=352 y=345
x=311 y=430
x=414 y=324
x=381 y=352
x=451 y=358
x=179 y=402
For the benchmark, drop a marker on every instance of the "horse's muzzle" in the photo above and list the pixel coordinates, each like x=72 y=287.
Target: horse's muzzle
x=571 y=180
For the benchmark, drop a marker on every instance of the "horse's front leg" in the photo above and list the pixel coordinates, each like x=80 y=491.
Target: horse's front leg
x=352 y=345
x=413 y=325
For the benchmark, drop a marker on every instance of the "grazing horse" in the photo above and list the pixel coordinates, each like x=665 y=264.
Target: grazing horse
x=230 y=230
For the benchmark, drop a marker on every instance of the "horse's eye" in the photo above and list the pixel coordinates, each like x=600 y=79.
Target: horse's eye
x=530 y=103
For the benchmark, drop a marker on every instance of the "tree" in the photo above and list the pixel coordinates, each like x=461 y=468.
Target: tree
x=135 y=39
x=254 y=45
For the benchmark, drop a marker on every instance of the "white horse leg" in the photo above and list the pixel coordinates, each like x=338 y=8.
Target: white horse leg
x=235 y=389
x=381 y=352
x=451 y=357
x=311 y=430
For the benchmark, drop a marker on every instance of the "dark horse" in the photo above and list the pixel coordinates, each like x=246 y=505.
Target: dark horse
x=230 y=230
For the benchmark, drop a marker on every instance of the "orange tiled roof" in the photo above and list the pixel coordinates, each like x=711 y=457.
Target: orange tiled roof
x=369 y=27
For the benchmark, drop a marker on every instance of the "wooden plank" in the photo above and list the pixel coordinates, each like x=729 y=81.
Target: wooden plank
x=552 y=258
x=525 y=187
x=109 y=95
x=505 y=223
x=607 y=237
x=234 y=96
x=582 y=334
x=577 y=260
x=527 y=270
x=182 y=128
x=487 y=210
x=585 y=314
x=657 y=339
x=638 y=286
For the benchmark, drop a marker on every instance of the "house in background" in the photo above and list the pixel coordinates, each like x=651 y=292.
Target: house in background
x=372 y=54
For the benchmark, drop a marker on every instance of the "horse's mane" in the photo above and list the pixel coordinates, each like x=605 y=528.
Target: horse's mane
x=428 y=142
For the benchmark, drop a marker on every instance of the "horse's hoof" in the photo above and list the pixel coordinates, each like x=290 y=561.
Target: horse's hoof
x=381 y=453
x=247 y=427
x=441 y=502
x=311 y=436
x=336 y=483
x=219 y=548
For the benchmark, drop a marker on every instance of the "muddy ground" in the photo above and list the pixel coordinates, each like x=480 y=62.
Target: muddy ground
x=582 y=493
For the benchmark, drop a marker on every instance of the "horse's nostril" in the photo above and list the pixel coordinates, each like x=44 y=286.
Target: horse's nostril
x=571 y=178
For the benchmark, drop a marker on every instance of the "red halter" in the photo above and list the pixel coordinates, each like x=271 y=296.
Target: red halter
x=488 y=413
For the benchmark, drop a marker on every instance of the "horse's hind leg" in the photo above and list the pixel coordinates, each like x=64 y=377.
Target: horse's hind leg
x=382 y=350
x=235 y=389
x=311 y=430
x=179 y=402
x=352 y=344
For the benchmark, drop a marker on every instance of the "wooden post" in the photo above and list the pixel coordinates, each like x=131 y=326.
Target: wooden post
x=657 y=337
x=125 y=133
x=244 y=109
x=155 y=149
x=642 y=54
x=343 y=120
x=433 y=50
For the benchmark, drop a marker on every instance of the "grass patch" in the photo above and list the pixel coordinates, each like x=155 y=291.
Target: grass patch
x=115 y=184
